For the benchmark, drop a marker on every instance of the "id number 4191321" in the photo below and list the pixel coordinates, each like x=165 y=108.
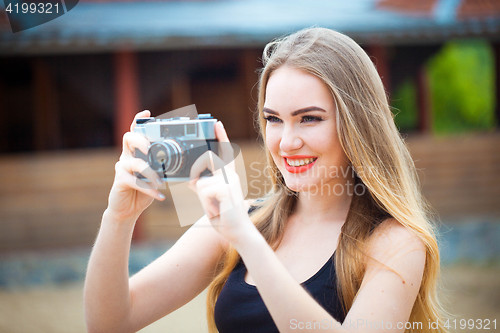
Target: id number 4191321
x=471 y=324
x=33 y=8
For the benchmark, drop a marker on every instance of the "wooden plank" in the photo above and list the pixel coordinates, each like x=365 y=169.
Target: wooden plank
x=57 y=199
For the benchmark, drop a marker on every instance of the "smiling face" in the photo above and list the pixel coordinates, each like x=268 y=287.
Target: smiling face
x=301 y=132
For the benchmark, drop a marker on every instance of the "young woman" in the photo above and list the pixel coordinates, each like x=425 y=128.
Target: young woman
x=342 y=242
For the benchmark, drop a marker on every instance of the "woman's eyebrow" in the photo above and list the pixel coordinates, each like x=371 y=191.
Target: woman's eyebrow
x=296 y=112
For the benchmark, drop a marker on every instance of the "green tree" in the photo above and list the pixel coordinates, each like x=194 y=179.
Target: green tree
x=462 y=84
x=404 y=104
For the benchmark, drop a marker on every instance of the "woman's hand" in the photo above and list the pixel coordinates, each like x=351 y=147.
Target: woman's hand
x=129 y=195
x=220 y=194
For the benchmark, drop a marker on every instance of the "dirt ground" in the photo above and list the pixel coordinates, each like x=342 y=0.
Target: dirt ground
x=472 y=292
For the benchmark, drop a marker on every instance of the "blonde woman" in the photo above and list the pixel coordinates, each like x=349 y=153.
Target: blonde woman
x=340 y=244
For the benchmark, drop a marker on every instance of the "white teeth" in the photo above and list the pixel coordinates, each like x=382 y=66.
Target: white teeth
x=299 y=162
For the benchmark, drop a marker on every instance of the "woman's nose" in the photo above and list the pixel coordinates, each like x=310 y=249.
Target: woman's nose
x=290 y=140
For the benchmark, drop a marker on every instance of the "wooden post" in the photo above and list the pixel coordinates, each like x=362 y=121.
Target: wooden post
x=47 y=129
x=126 y=104
x=181 y=91
x=381 y=61
x=248 y=66
x=4 y=142
x=496 y=54
x=126 y=94
x=423 y=101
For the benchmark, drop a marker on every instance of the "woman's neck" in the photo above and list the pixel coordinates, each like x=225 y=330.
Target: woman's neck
x=330 y=204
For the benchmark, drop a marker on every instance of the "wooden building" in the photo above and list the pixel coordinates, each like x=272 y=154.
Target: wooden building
x=70 y=87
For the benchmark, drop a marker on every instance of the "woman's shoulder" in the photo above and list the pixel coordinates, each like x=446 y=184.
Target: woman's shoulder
x=395 y=261
x=392 y=238
x=392 y=228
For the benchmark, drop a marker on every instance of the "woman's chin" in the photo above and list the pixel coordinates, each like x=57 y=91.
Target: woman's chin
x=299 y=186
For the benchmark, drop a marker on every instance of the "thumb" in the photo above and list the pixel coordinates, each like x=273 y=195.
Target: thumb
x=226 y=151
x=220 y=132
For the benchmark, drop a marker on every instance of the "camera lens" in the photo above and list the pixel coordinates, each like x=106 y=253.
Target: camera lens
x=165 y=157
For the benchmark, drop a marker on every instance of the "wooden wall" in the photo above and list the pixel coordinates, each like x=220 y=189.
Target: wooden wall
x=55 y=200
x=460 y=176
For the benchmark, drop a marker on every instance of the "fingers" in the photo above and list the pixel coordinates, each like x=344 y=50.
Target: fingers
x=142 y=114
x=218 y=196
x=133 y=165
x=132 y=140
x=226 y=151
x=142 y=186
x=220 y=132
x=211 y=192
x=227 y=179
x=207 y=160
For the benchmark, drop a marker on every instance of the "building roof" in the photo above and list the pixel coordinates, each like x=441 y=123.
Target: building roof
x=160 y=25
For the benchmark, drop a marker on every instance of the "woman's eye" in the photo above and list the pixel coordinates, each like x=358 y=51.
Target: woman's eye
x=308 y=119
x=272 y=119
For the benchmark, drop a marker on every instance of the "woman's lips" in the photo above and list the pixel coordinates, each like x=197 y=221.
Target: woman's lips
x=298 y=169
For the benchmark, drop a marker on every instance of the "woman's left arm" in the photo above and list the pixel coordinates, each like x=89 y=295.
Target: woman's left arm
x=389 y=287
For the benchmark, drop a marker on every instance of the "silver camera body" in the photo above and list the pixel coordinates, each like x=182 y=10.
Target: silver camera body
x=176 y=143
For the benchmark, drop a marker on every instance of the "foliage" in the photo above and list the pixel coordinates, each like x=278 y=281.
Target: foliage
x=462 y=84
x=404 y=103
x=461 y=79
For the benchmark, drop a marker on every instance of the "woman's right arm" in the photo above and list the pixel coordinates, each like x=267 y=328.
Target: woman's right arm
x=115 y=303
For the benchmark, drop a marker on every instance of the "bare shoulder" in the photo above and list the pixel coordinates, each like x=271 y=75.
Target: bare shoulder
x=395 y=263
x=397 y=248
x=391 y=234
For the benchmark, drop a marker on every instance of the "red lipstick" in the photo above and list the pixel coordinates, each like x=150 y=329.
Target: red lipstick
x=298 y=169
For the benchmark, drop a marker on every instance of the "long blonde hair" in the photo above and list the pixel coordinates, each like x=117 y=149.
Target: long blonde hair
x=375 y=150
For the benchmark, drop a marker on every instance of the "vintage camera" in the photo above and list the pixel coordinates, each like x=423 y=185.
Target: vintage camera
x=176 y=143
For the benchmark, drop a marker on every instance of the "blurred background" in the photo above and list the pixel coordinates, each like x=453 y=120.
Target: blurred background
x=69 y=89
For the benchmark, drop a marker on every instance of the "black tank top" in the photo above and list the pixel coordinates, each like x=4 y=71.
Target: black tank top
x=239 y=307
